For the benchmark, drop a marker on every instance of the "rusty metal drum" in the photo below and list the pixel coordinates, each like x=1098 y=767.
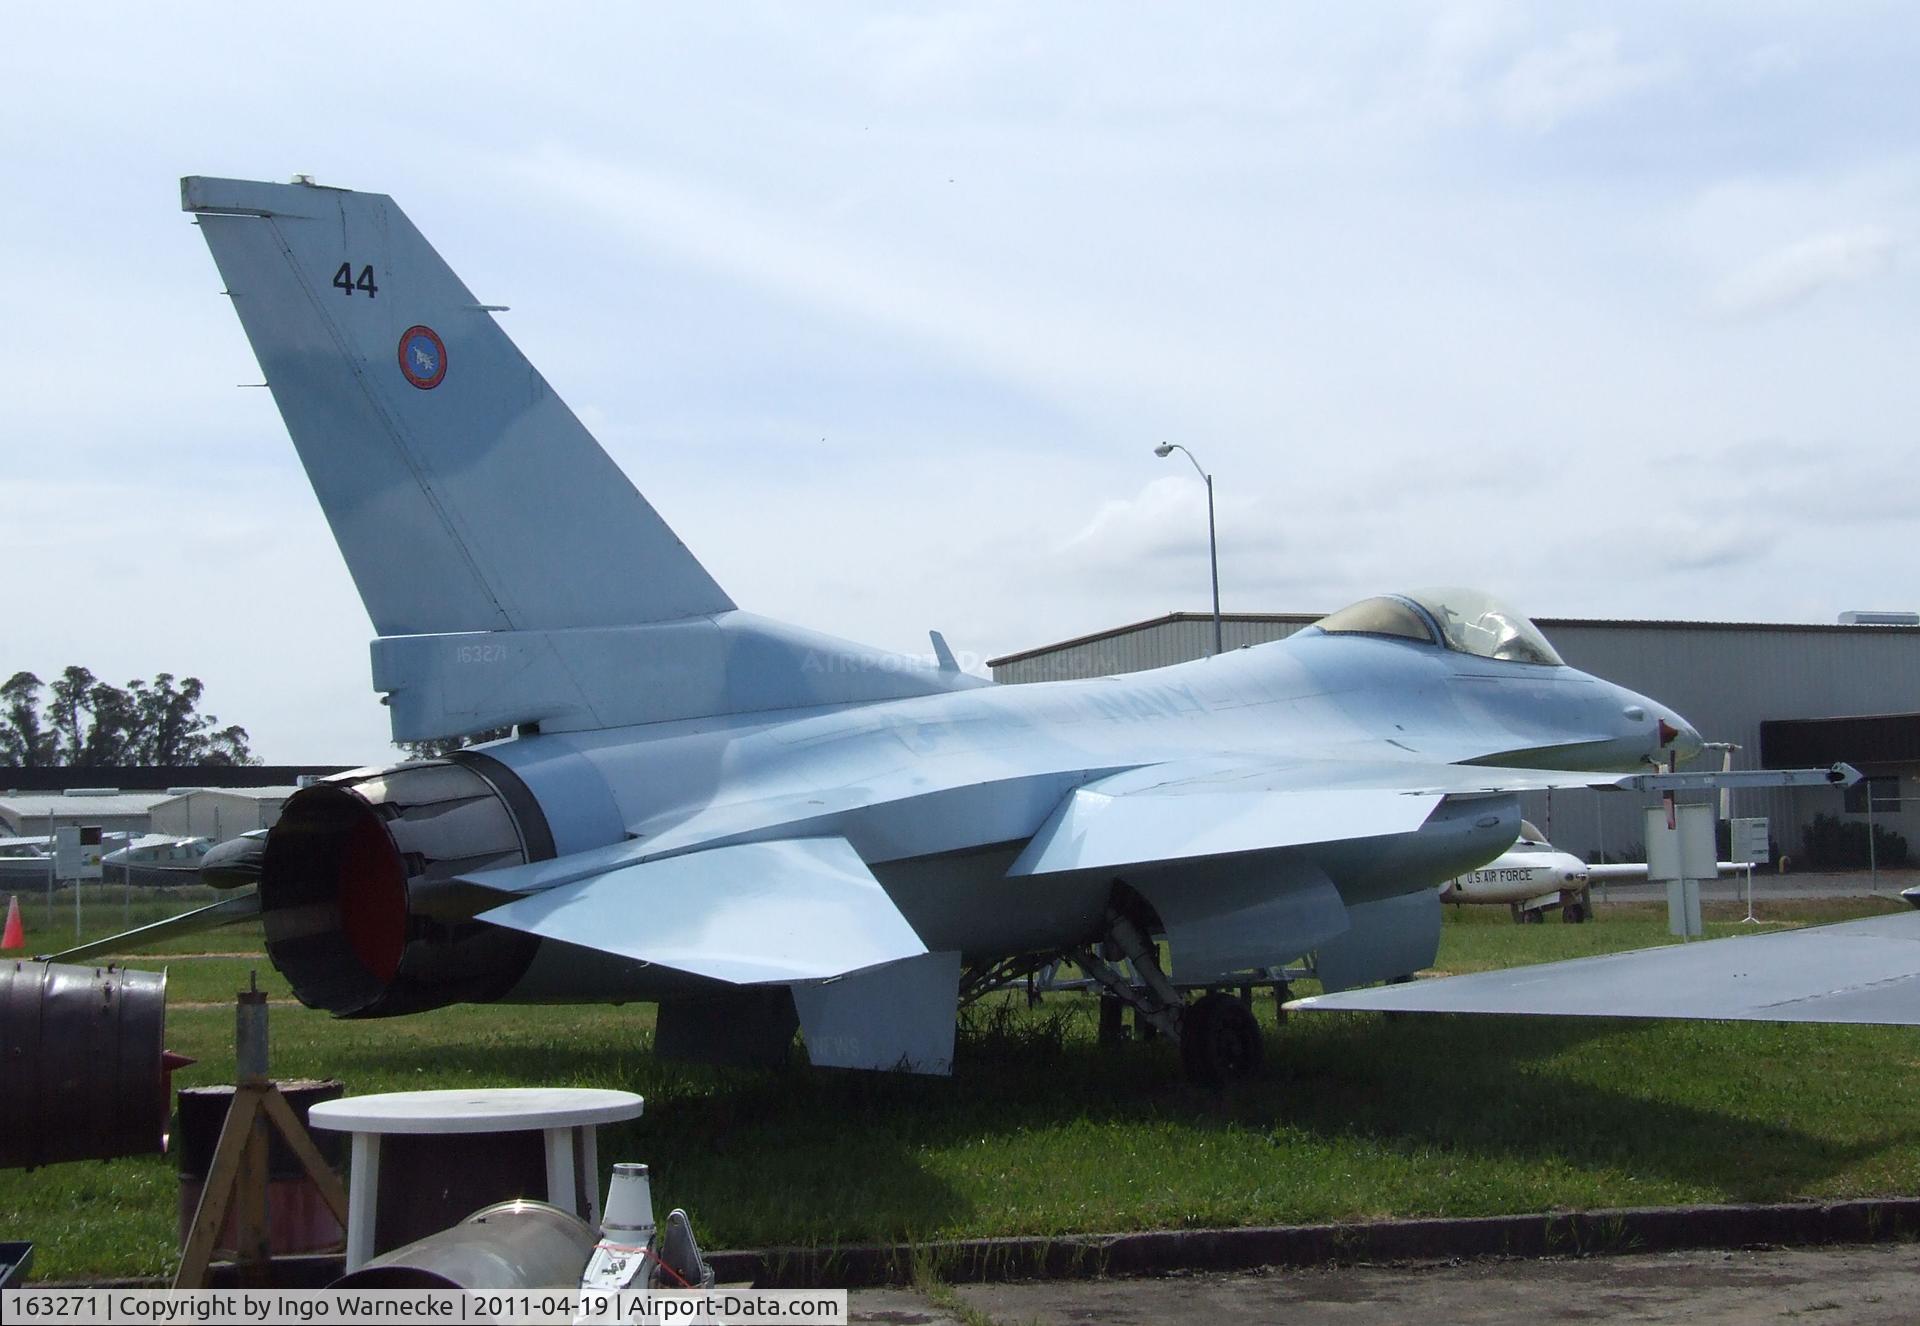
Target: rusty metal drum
x=83 y=1074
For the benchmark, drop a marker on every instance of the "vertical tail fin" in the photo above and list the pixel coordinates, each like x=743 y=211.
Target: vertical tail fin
x=464 y=495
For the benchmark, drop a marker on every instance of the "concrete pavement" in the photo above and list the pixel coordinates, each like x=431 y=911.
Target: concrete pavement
x=1860 y=1285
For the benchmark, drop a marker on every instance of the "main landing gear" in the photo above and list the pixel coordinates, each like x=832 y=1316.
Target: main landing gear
x=1219 y=1039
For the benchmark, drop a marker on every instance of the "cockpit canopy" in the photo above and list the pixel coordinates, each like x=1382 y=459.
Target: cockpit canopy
x=1462 y=619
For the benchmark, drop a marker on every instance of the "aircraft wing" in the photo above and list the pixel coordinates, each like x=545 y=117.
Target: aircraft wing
x=1858 y=971
x=1183 y=809
x=1128 y=820
x=804 y=905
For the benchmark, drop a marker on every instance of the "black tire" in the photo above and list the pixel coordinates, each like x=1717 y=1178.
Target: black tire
x=1220 y=1041
x=1573 y=913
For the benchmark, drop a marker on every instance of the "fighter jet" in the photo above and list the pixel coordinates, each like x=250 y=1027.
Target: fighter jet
x=758 y=826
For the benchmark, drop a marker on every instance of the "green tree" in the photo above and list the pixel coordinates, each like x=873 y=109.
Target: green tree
x=65 y=711
x=25 y=742
x=88 y=722
x=111 y=734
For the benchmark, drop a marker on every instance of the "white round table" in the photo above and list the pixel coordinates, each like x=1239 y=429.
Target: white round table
x=568 y=1116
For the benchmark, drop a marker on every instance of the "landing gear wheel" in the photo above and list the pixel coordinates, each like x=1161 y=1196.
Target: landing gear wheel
x=1573 y=913
x=1219 y=1040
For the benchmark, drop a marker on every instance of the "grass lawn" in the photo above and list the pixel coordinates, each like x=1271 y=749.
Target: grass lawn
x=1040 y=1131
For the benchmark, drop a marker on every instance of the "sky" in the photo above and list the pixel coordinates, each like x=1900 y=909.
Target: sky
x=1607 y=309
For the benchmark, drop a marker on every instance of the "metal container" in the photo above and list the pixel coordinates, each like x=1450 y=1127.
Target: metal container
x=626 y=1231
x=510 y=1245
x=83 y=1074
x=298 y=1219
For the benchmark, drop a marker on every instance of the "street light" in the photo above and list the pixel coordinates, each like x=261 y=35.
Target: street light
x=1164 y=450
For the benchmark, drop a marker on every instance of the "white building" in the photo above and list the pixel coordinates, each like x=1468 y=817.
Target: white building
x=219 y=813
x=28 y=814
x=185 y=812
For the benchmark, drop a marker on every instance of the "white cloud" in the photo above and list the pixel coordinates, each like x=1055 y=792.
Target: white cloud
x=1151 y=548
x=1585 y=70
x=1794 y=274
x=1006 y=320
x=1168 y=515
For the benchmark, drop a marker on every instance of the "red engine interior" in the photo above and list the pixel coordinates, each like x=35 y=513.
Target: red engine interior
x=373 y=898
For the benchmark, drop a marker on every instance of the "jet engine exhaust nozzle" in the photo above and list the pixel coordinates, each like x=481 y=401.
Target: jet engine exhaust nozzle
x=357 y=895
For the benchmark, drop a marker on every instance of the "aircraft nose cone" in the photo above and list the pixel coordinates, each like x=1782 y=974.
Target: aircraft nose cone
x=1678 y=737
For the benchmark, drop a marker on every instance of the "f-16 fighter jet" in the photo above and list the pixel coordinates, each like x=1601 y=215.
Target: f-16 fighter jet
x=760 y=827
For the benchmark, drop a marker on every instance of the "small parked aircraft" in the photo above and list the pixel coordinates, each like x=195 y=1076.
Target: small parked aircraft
x=156 y=860
x=1533 y=876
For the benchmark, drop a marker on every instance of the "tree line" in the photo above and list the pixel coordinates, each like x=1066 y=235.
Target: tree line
x=77 y=720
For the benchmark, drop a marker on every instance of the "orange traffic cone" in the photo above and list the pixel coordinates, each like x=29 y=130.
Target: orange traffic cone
x=16 y=934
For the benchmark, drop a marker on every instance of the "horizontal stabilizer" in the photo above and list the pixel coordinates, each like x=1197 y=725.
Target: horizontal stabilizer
x=794 y=910
x=1859 y=971
x=228 y=911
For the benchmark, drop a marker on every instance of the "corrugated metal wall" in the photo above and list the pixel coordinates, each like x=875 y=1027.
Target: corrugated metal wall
x=1155 y=644
x=219 y=814
x=1725 y=679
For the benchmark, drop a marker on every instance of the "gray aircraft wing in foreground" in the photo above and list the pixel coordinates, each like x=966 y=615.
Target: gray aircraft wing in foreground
x=758 y=826
x=1856 y=971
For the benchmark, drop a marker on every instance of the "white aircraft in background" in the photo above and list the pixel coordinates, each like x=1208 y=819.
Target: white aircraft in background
x=156 y=859
x=1533 y=875
x=27 y=861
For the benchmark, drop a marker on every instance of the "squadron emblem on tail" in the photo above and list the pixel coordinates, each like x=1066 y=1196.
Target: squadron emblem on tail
x=423 y=358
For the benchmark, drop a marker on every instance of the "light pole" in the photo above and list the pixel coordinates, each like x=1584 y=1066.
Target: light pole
x=1164 y=450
